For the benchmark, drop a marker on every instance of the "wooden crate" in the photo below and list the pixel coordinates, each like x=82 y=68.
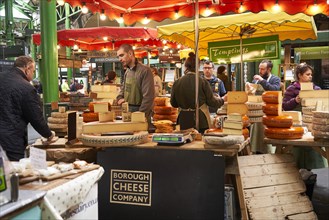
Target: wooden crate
x=273 y=188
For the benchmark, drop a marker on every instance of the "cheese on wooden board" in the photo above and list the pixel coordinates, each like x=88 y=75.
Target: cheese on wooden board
x=106 y=95
x=296 y=115
x=106 y=116
x=126 y=116
x=118 y=126
x=237 y=97
x=274 y=97
x=282 y=121
x=223 y=141
x=312 y=94
x=237 y=108
x=231 y=131
x=96 y=88
x=255 y=98
x=92 y=104
x=138 y=117
x=272 y=109
x=284 y=133
x=109 y=88
x=306 y=86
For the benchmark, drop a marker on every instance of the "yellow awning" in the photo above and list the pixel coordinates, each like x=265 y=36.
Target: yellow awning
x=229 y=27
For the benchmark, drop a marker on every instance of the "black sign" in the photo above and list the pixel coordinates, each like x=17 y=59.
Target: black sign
x=12 y=51
x=160 y=184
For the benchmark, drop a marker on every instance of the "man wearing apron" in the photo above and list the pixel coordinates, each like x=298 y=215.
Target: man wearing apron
x=266 y=82
x=183 y=97
x=138 y=84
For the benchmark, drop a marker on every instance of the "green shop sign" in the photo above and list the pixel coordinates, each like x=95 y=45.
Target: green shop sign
x=253 y=49
x=312 y=53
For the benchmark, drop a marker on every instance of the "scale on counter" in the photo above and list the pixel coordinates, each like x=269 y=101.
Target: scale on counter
x=172 y=139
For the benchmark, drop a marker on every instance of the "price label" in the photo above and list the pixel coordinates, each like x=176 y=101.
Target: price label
x=38 y=158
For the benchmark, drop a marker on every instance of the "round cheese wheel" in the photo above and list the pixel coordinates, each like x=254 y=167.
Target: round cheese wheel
x=245 y=133
x=213 y=130
x=91 y=106
x=90 y=116
x=58 y=115
x=245 y=121
x=165 y=110
x=254 y=105
x=160 y=101
x=321 y=114
x=255 y=119
x=320 y=121
x=57 y=120
x=282 y=121
x=308 y=110
x=157 y=117
x=272 y=109
x=271 y=97
x=307 y=118
x=284 y=133
x=255 y=113
x=57 y=126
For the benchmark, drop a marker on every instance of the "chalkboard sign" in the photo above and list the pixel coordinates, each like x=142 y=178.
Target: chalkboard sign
x=160 y=184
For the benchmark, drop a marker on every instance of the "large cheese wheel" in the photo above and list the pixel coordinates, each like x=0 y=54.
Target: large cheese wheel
x=254 y=105
x=58 y=115
x=57 y=126
x=255 y=113
x=284 y=133
x=245 y=121
x=321 y=114
x=57 y=120
x=272 y=109
x=90 y=116
x=255 y=119
x=161 y=101
x=308 y=110
x=91 y=106
x=164 y=110
x=274 y=97
x=320 y=121
x=172 y=118
x=245 y=133
x=307 y=118
x=282 y=121
x=320 y=127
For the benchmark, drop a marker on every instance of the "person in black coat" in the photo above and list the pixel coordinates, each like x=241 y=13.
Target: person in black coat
x=20 y=105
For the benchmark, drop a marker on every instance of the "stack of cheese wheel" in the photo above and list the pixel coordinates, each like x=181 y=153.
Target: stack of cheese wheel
x=255 y=106
x=307 y=116
x=320 y=125
x=163 y=110
x=236 y=124
x=278 y=126
x=58 y=122
x=89 y=116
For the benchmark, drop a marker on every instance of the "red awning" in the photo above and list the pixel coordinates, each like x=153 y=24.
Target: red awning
x=93 y=38
x=158 y=10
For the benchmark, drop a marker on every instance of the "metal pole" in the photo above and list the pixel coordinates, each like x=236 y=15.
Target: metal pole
x=196 y=21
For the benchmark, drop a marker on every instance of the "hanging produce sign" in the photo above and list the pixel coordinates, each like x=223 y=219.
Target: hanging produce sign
x=252 y=48
x=105 y=54
x=169 y=58
x=66 y=63
x=312 y=53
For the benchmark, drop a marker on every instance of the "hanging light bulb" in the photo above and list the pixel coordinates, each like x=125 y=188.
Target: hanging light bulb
x=179 y=46
x=315 y=9
x=327 y=2
x=164 y=41
x=241 y=8
x=105 y=38
x=60 y=2
x=75 y=47
x=134 y=47
x=120 y=20
x=105 y=49
x=102 y=15
x=171 y=51
x=58 y=47
x=84 y=8
x=79 y=50
x=146 y=20
x=276 y=8
x=207 y=12
x=177 y=14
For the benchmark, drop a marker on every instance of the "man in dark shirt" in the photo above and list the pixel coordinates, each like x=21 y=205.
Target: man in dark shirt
x=20 y=105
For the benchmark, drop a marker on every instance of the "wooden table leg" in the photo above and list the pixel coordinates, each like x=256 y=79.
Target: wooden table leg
x=243 y=207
